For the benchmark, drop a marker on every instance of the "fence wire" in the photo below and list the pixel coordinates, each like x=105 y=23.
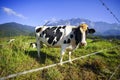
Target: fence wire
x=108 y=9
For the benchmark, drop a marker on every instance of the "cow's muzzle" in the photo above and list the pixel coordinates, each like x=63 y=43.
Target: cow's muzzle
x=83 y=44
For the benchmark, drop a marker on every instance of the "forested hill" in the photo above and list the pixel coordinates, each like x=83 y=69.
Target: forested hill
x=15 y=29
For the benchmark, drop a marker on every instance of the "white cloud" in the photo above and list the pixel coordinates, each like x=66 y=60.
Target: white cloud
x=12 y=12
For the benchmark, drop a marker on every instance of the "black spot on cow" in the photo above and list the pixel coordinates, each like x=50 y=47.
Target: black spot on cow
x=59 y=28
x=38 y=30
x=78 y=35
x=58 y=34
x=50 y=33
x=64 y=41
x=43 y=32
x=40 y=35
x=68 y=41
x=50 y=40
x=71 y=36
x=53 y=28
x=86 y=32
x=54 y=42
x=63 y=27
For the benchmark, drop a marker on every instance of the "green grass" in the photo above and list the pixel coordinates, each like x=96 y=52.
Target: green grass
x=18 y=56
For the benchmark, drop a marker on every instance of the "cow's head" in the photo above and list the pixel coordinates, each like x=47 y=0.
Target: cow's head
x=84 y=30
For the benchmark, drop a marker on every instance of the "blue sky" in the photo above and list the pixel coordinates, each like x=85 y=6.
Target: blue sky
x=37 y=12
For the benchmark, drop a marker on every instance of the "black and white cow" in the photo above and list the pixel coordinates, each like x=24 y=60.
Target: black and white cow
x=66 y=37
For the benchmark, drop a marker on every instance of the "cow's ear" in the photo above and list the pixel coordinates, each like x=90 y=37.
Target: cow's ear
x=91 y=31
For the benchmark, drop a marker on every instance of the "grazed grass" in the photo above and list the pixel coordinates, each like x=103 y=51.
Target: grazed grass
x=18 y=56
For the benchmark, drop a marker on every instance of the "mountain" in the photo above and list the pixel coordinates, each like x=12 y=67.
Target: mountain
x=15 y=29
x=102 y=28
x=73 y=21
x=107 y=29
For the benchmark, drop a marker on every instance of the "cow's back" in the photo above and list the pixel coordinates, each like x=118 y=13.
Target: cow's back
x=53 y=36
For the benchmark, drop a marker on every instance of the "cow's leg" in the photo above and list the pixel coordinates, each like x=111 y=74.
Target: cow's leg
x=61 y=55
x=38 y=47
x=70 y=57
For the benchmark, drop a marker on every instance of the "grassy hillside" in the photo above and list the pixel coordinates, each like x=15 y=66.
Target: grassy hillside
x=15 y=29
x=18 y=56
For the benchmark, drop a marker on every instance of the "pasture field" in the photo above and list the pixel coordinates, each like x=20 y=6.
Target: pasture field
x=18 y=56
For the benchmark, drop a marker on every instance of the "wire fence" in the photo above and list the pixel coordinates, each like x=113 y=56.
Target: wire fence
x=118 y=67
x=108 y=9
x=46 y=67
